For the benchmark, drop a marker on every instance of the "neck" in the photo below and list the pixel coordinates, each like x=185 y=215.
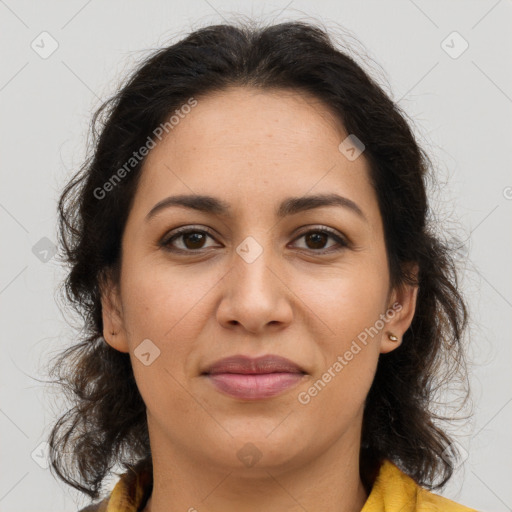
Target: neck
x=327 y=483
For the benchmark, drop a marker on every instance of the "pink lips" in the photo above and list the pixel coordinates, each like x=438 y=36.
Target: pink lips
x=254 y=378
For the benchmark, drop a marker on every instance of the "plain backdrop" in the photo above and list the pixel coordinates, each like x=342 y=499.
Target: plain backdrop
x=447 y=64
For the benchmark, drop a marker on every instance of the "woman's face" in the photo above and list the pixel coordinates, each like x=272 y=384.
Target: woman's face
x=260 y=277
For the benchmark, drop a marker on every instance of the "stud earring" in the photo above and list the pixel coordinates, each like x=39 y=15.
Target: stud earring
x=392 y=337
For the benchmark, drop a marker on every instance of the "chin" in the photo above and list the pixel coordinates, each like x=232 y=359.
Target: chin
x=266 y=446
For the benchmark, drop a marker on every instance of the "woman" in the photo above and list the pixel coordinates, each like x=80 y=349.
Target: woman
x=267 y=310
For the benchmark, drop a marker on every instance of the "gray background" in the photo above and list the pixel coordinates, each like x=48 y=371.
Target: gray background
x=461 y=109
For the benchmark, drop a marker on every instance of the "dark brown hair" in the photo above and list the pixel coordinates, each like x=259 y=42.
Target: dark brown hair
x=107 y=423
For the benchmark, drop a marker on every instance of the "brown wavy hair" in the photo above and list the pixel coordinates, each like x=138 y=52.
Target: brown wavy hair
x=107 y=422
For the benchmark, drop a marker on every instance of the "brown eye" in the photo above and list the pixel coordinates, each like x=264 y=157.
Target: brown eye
x=186 y=240
x=316 y=240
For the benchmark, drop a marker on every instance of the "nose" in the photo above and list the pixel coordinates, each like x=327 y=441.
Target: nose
x=255 y=296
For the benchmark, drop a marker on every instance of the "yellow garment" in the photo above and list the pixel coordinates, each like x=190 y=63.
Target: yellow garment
x=392 y=491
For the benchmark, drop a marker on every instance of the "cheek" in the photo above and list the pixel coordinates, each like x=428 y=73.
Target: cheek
x=350 y=301
x=168 y=308
x=163 y=317
x=160 y=303
x=350 y=307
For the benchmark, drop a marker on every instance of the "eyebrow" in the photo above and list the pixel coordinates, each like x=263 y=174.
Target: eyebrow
x=289 y=206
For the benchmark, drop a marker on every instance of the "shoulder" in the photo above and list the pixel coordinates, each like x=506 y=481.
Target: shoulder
x=429 y=501
x=393 y=489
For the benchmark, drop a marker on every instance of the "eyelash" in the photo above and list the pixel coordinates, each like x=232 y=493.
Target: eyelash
x=166 y=241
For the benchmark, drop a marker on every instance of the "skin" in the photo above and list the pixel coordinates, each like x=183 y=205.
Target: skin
x=252 y=149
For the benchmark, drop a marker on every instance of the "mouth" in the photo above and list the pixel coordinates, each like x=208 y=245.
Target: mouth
x=249 y=378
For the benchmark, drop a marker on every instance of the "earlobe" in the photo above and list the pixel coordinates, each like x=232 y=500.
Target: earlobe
x=113 y=326
x=390 y=342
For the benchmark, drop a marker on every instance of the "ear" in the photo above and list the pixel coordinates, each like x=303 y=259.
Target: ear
x=114 y=331
x=400 y=312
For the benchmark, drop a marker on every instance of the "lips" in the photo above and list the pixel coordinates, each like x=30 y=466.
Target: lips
x=248 y=365
x=249 y=378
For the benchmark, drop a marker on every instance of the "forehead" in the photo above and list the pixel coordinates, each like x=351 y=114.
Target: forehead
x=253 y=145
x=250 y=116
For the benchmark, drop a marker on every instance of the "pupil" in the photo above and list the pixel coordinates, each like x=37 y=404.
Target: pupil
x=194 y=238
x=317 y=238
